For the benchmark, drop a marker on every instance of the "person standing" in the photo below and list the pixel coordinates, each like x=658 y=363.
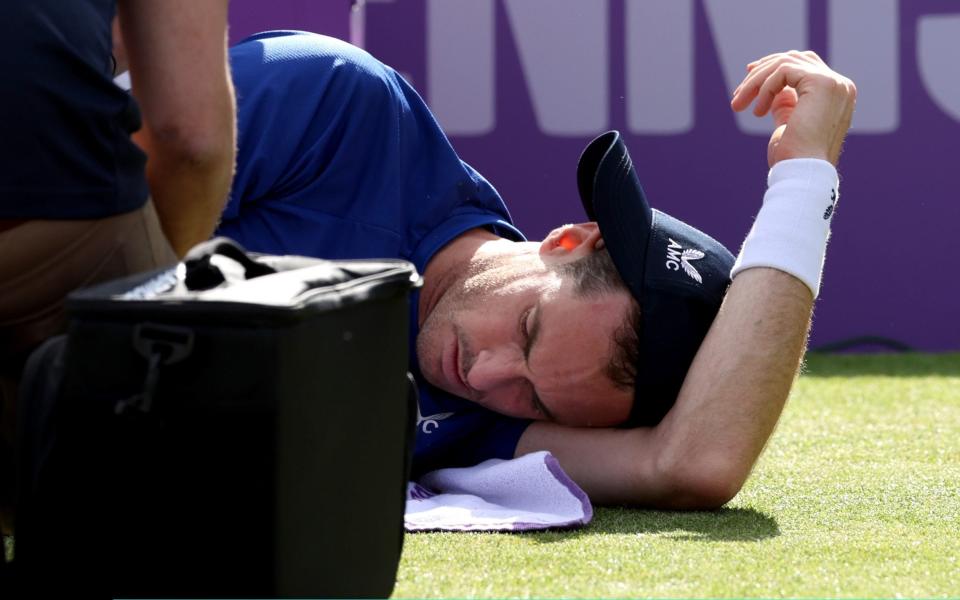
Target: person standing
x=94 y=184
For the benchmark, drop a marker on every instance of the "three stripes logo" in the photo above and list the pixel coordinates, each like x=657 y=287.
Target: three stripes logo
x=833 y=202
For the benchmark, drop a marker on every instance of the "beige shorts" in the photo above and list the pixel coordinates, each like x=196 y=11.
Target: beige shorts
x=42 y=261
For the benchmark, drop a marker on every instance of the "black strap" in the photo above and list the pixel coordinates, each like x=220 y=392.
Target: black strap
x=203 y=275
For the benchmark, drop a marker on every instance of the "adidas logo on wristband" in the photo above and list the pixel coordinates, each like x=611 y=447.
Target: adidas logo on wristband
x=833 y=202
x=791 y=231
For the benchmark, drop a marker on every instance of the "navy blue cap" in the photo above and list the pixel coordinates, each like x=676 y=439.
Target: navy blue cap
x=678 y=274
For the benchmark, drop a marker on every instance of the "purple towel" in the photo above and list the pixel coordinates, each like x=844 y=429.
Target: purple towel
x=527 y=493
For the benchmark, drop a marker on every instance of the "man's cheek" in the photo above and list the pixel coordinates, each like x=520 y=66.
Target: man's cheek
x=423 y=351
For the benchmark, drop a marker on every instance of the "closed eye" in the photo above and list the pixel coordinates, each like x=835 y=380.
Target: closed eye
x=530 y=330
x=524 y=329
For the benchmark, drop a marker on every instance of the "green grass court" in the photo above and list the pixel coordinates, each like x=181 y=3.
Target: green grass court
x=857 y=495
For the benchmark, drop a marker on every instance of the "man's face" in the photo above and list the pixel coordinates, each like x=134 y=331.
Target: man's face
x=513 y=336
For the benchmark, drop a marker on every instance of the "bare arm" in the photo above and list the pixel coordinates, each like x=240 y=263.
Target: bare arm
x=178 y=67
x=702 y=452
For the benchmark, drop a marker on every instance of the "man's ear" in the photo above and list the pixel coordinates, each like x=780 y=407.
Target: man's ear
x=573 y=241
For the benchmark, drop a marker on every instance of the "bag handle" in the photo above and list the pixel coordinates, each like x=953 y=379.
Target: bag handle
x=203 y=275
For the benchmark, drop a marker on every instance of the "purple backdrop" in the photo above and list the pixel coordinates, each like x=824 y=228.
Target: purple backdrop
x=330 y=17
x=522 y=85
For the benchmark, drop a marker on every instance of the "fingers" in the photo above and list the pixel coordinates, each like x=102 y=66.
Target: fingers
x=808 y=55
x=782 y=76
x=767 y=76
x=783 y=105
x=749 y=88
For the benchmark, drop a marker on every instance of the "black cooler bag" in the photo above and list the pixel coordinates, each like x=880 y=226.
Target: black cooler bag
x=250 y=436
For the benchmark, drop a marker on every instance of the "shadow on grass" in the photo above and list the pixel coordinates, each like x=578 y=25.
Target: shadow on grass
x=723 y=525
x=903 y=364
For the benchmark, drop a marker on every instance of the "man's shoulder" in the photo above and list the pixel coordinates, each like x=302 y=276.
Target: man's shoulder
x=302 y=55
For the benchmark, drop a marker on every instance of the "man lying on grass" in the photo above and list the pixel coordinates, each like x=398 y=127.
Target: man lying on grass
x=619 y=344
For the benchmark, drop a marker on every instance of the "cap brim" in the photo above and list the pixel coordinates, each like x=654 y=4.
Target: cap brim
x=613 y=197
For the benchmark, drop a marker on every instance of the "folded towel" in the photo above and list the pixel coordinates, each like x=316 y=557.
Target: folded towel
x=527 y=493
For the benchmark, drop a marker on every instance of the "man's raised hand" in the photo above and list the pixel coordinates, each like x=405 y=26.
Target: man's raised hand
x=812 y=104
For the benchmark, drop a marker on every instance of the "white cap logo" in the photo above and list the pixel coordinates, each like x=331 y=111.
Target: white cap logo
x=678 y=258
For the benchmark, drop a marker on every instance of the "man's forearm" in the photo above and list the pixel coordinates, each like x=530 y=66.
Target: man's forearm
x=735 y=389
x=178 y=66
x=189 y=186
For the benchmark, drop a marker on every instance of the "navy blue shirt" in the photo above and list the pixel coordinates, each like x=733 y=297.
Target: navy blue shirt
x=65 y=148
x=340 y=158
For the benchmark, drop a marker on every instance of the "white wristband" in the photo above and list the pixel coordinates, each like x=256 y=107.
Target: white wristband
x=790 y=233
